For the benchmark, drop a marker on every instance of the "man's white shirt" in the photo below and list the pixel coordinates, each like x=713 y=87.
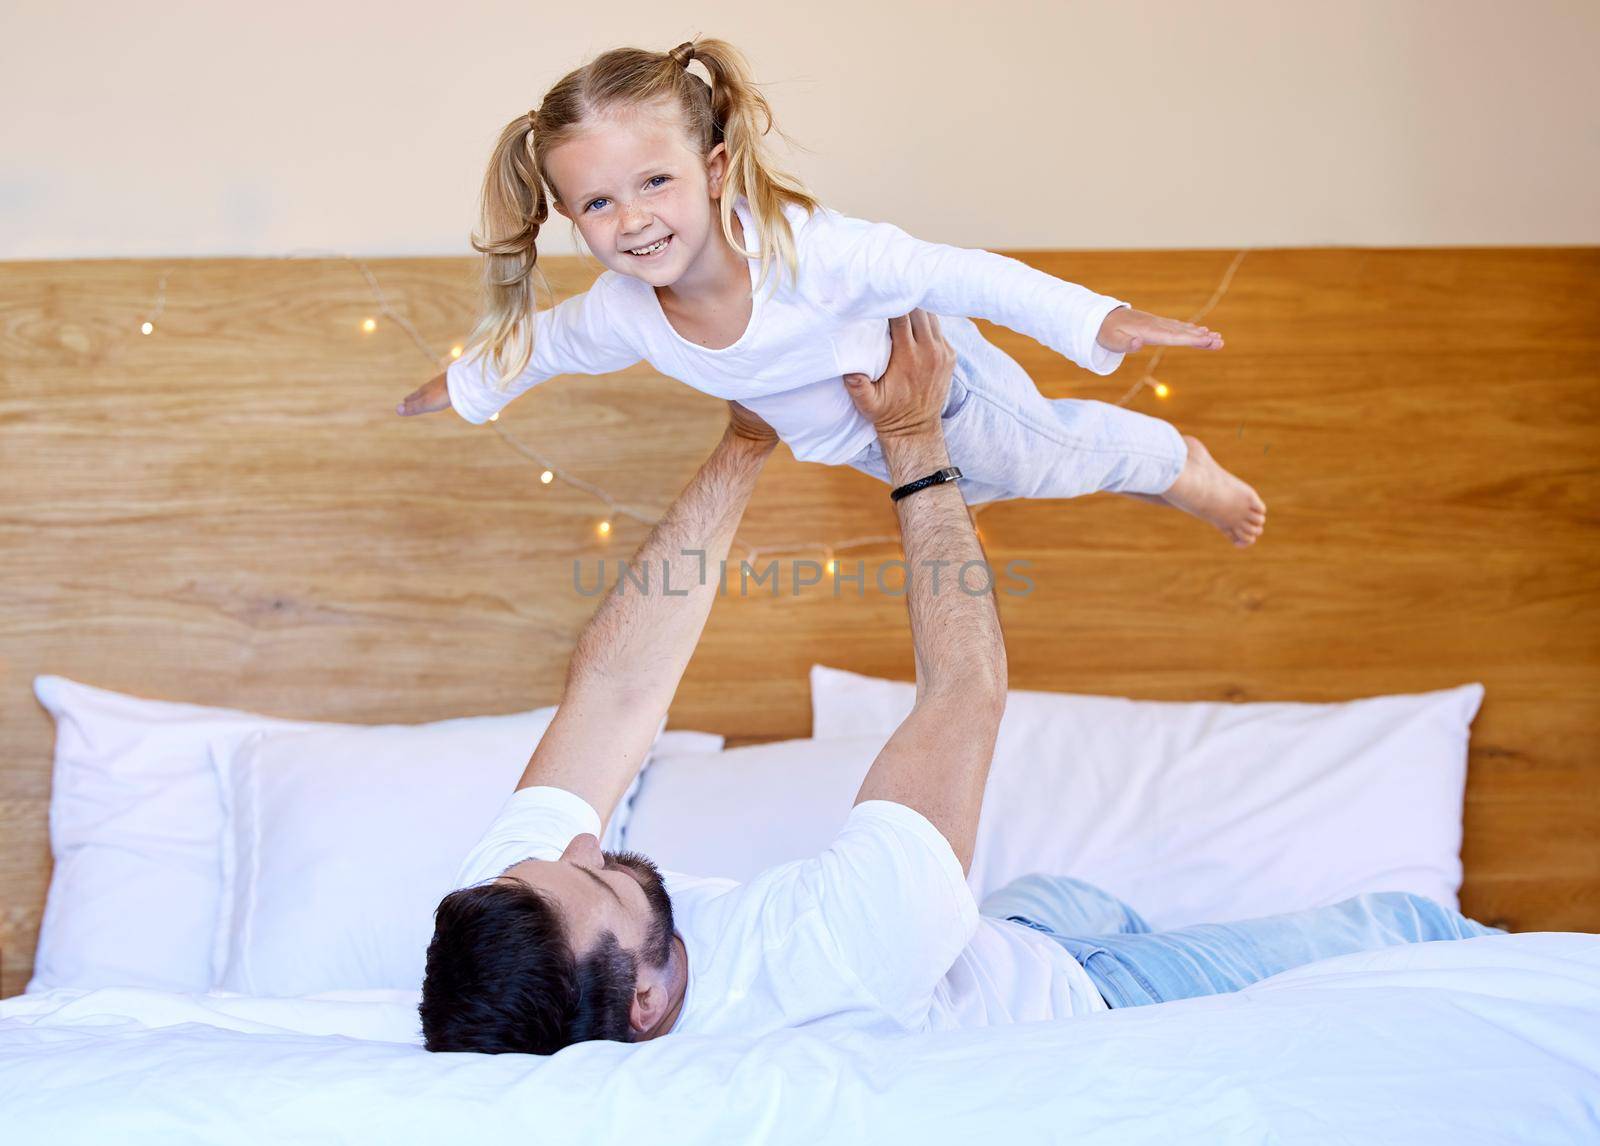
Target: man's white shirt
x=879 y=932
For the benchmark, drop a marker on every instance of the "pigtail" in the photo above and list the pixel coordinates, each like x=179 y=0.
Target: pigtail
x=742 y=118
x=514 y=208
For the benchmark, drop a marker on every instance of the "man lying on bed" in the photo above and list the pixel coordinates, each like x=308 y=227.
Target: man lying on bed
x=552 y=941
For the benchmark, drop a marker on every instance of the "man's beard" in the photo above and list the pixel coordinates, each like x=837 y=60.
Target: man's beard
x=657 y=946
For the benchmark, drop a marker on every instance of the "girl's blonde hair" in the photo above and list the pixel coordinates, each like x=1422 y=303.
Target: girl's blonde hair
x=730 y=110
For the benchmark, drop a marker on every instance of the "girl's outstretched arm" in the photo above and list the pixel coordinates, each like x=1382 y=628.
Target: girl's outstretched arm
x=580 y=335
x=1125 y=330
x=877 y=270
x=429 y=398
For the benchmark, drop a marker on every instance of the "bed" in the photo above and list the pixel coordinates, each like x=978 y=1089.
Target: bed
x=187 y=527
x=248 y=980
x=1487 y=1040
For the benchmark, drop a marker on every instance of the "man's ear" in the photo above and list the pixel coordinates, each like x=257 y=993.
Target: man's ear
x=649 y=1004
x=716 y=169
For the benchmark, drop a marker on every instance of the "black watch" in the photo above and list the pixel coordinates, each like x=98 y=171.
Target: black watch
x=937 y=477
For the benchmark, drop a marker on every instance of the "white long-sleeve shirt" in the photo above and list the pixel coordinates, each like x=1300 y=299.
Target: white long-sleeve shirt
x=803 y=335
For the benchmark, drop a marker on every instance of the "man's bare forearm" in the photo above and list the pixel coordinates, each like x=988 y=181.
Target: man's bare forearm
x=630 y=657
x=937 y=761
x=640 y=640
x=955 y=629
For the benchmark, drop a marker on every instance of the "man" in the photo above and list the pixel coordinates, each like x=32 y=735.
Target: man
x=551 y=941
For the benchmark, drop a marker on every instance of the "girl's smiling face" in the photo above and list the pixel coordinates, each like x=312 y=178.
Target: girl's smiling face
x=643 y=199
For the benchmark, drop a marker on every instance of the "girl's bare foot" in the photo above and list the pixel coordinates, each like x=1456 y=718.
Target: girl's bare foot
x=1213 y=494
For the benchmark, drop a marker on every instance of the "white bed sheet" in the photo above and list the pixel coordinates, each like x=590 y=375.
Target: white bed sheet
x=1486 y=1040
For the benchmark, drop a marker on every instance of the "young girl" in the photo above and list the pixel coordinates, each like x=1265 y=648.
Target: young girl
x=670 y=185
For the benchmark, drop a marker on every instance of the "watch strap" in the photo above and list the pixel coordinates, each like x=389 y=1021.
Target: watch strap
x=937 y=477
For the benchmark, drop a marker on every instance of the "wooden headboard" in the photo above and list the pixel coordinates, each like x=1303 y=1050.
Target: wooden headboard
x=226 y=511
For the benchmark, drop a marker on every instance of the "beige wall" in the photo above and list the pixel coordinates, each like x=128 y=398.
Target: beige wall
x=231 y=128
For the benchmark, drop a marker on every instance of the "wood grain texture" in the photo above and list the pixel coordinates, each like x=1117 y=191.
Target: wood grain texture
x=228 y=512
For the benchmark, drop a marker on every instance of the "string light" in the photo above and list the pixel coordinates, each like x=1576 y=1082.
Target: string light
x=148 y=326
x=551 y=471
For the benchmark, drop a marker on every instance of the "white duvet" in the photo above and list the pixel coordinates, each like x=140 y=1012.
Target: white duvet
x=1486 y=1040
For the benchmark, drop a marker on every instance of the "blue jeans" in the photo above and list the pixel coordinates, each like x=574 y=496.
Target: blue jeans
x=1011 y=441
x=1132 y=965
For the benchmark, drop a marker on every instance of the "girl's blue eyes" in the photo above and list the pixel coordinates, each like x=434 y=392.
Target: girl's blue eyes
x=652 y=181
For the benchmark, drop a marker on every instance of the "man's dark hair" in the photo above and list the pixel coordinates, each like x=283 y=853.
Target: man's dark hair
x=502 y=976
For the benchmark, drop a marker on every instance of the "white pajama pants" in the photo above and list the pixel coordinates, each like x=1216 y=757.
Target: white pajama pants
x=1011 y=441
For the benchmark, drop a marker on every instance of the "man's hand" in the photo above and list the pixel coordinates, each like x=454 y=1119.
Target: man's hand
x=1126 y=330
x=744 y=424
x=910 y=396
x=430 y=398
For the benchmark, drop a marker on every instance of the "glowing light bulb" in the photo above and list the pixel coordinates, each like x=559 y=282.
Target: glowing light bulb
x=1161 y=390
x=494 y=417
x=455 y=352
x=830 y=565
x=605 y=528
x=547 y=477
x=369 y=325
x=147 y=328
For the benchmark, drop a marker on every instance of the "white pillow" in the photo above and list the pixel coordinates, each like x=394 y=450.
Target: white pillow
x=738 y=813
x=136 y=825
x=1208 y=812
x=135 y=819
x=341 y=842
